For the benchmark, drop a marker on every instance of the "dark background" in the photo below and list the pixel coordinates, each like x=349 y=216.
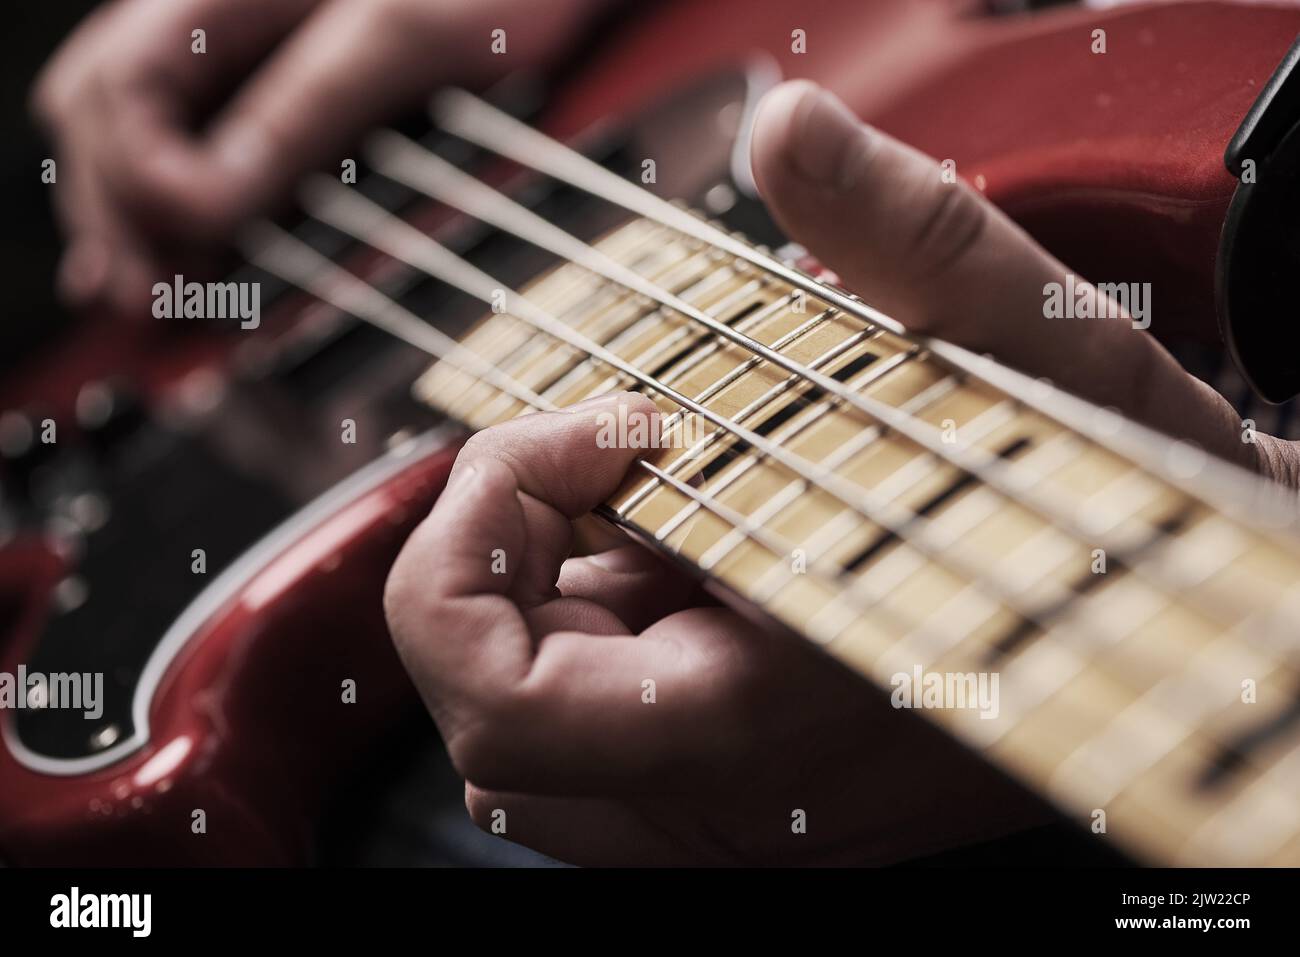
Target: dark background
x=29 y=239
x=408 y=809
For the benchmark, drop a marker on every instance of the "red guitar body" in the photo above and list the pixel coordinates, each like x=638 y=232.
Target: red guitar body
x=1114 y=161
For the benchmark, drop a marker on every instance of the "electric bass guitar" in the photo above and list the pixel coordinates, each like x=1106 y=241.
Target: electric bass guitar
x=212 y=529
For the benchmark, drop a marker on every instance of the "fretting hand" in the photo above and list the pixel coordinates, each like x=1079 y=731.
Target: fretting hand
x=535 y=677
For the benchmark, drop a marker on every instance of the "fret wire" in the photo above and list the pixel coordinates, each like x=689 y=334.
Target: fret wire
x=707 y=349
x=1154 y=570
x=279 y=253
x=363 y=219
x=841 y=455
x=703 y=350
x=773 y=392
x=712 y=391
x=1149 y=568
x=256 y=241
x=480 y=123
x=757 y=405
x=537 y=357
x=544 y=344
x=412 y=165
x=542 y=347
x=865 y=437
x=402 y=160
x=1142 y=566
x=1145 y=562
x=1087 y=656
x=756 y=519
x=746 y=526
x=778 y=546
x=646 y=320
x=686 y=333
x=799 y=486
x=632 y=325
x=1175 y=590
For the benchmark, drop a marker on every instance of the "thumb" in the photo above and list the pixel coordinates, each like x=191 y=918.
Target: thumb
x=941 y=259
x=884 y=217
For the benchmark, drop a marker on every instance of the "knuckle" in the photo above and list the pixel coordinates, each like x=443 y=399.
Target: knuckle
x=474 y=753
x=483 y=740
x=402 y=600
x=477 y=444
x=394 y=598
x=47 y=101
x=953 y=227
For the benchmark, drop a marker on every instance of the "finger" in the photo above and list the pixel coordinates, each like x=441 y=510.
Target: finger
x=572 y=712
x=448 y=595
x=664 y=712
x=117 y=99
x=147 y=45
x=152 y=164
x=945 y=262
x=547 y=544
x=353 y=64
x=573 y=614
x=106 y=264
x=62 y=79
x=636 y=585
x=334 y=76
x=104 y=261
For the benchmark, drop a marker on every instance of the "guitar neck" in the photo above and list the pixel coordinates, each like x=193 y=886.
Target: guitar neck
x=1061 y=592
x=1102 y=611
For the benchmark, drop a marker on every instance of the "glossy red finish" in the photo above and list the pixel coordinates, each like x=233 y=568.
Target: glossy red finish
x=249 y=724
x=1114 y=161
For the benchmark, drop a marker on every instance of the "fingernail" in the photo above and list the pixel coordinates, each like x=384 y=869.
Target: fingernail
x=829 y=143
x=609 y=398
x=83 y=272
x=462 y=478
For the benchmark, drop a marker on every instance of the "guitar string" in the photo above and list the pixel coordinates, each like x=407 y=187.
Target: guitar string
x=410 y=164
x=362 y=219
x=358 y=217
x=377 y=227
x=481 y=124
x=265 y=246
x=644 y=202
x=281 y=254
x=485 y=126
x=414 y=166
